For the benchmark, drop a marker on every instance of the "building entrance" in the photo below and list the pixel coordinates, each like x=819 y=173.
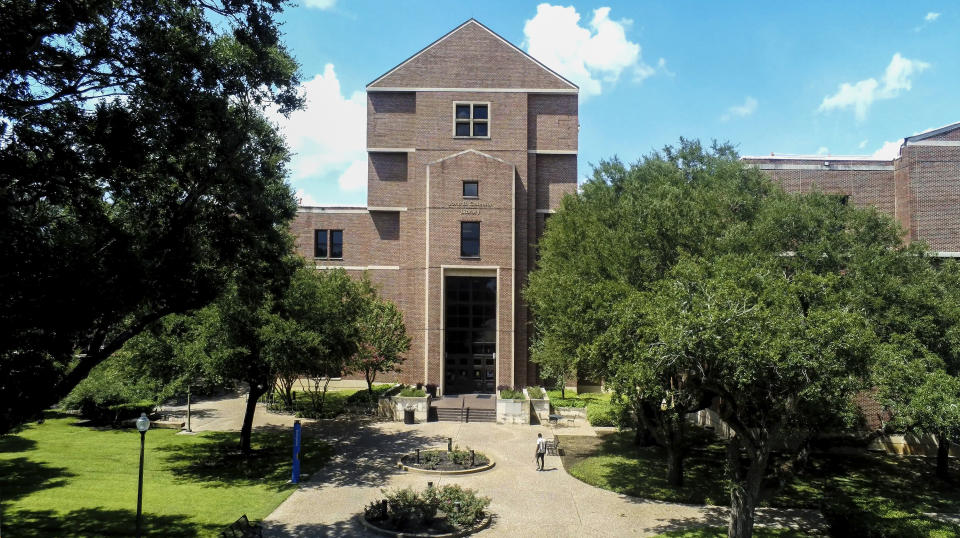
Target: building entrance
x=470 y=334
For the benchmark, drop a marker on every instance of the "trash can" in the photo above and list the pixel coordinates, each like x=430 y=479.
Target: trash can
x=408 y=416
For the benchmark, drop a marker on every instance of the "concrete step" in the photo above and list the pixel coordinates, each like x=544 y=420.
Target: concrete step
x=468 y=415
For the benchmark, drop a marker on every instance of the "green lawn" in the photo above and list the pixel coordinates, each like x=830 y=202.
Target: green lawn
x=577 y=400
x=62 y=478
x=335 y=402
x=860 y=495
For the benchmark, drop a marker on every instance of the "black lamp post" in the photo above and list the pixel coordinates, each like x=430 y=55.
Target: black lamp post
x=143 y=424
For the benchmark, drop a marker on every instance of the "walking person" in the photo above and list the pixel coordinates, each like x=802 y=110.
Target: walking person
x=541 y=450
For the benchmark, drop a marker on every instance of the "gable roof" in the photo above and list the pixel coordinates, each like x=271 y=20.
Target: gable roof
x=932 y=133
x=472 y=56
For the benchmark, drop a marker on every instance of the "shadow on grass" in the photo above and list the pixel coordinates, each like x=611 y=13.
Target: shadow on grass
x=98 y=522
x=215 y=459
x=612 y=461
x=21 y=476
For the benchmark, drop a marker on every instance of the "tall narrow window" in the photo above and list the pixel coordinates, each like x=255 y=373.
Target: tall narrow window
x=471 y=120
x=470 y=239
x=320 y=243
x=328 y=244
x=336 y=243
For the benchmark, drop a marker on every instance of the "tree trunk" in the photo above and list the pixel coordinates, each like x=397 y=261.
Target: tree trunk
x=256 y=391
x=674 y=466
x=943 y=457
x=369 y=378
x=642 y=436
x=744 y=488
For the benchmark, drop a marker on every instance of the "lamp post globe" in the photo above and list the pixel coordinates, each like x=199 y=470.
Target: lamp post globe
x=143 y=424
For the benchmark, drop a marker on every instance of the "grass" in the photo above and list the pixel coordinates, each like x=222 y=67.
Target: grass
x=577 y=400
x=869 y=495
x=62 y=478
x=335 y=403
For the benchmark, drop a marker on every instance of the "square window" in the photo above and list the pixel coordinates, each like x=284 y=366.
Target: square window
x=470 y=239
x=471 y=120
x=471 y=189
x=328 y=244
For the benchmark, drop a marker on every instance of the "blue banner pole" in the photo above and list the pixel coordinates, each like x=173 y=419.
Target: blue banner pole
x=295 y=475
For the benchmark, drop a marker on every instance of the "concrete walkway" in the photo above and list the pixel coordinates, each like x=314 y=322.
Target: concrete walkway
x=525 y=502
x=225 y=413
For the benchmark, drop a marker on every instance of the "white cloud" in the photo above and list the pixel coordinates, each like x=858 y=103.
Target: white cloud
x=931 y=16
x=589 y=56
x=305 y=199
x=822 y=150
x=328 y=136
x=355 y=176
x=748 y=107
x=861 y=95
x=320 y=4
x=862 y=144
x=888 y=151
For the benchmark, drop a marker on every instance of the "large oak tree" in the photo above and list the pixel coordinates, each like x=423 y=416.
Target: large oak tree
x=137 y=174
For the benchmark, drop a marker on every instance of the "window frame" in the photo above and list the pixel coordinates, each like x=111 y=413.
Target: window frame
x=464 y=189
x=465 y=256
x=327 y=234
x=471 y=120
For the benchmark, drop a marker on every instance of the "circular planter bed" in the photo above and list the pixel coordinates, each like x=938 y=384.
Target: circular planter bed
x=435 y=529
x=443 y=462
x=435 y=512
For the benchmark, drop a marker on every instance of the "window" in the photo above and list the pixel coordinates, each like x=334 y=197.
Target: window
x=471 y=120
x=471 y=189
x=469 y=239
x=328 y=244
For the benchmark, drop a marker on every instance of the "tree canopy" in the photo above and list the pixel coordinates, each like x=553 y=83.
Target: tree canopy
x=138 y=175
x=698 y=282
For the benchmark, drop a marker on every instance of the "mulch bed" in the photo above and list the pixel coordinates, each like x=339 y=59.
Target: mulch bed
x=441 y=460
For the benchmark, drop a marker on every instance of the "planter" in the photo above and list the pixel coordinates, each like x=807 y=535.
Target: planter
x=393 y=407
x=407 y=462
x=540 y=406
x=373 y=527
x=513 y=411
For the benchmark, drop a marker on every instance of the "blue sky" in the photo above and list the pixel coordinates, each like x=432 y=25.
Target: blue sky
x=835 y=78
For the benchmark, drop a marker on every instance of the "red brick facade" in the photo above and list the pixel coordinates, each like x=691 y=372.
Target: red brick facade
x=407 y=239
x=920 y=187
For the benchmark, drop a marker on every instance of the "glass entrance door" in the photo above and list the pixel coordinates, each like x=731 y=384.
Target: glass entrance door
x=470 y=334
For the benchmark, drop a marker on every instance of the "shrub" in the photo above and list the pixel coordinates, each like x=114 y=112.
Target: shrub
x=535 y=393
x=510 y=394
x=462 y=508
x=601 y=414
x=411 y=392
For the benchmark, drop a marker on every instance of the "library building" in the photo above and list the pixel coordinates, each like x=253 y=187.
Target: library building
x=471 y=145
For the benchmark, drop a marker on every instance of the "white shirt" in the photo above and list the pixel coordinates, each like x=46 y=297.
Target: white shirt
x=541 y=445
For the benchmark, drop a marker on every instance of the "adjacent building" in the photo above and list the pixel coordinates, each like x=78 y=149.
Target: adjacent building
x=471 y=145
x=920 y=187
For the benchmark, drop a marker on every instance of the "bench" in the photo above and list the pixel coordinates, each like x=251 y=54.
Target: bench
x=242 y=528
x=553 y=446
x=555 y=420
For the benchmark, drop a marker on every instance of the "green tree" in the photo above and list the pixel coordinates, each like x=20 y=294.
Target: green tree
x=628 y=226
x=917 y=305
x=383 y=338
x=137 y=175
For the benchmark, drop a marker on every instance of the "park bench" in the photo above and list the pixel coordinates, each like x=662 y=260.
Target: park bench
x=242 y=528
x=553 y=446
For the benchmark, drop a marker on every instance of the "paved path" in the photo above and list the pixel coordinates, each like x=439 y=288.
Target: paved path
x=225 y=413
x=525 y=502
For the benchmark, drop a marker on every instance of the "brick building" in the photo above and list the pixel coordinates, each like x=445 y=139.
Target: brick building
x=920 y=187
x=471 y=145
